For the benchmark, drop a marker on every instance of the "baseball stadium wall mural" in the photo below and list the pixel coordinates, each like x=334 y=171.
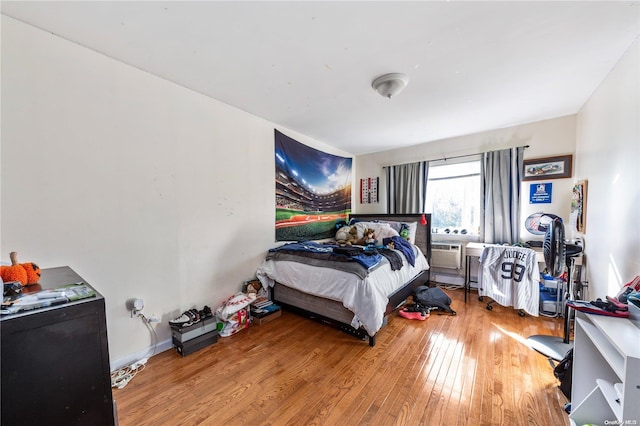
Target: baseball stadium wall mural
x=313 y=191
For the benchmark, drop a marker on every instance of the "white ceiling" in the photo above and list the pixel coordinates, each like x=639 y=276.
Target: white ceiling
x=308 y=66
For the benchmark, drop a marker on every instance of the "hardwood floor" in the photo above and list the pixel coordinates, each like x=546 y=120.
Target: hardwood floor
x=473 y=368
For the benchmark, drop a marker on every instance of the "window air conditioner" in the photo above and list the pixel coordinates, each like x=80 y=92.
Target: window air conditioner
x=446 y=255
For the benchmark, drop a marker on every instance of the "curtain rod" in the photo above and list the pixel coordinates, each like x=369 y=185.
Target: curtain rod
x=456 y=156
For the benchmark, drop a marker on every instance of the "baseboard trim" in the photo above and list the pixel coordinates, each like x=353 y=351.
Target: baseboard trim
x=137 y=356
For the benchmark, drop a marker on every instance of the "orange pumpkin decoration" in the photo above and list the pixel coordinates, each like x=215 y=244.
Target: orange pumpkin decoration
x=26 y=273
x=33 y=272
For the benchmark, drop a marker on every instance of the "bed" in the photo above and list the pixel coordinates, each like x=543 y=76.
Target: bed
x=355 y=303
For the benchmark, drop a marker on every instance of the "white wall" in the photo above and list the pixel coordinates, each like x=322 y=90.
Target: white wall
x=608 y=153
x=545 y=138
x=143 y=187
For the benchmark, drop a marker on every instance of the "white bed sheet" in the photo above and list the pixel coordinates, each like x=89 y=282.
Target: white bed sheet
x=367 y=298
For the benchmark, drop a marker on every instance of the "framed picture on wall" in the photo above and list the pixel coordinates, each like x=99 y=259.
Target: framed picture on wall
x=548 y=168
x=578 y=216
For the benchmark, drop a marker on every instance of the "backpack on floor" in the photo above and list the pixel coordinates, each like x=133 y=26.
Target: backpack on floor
x=563 y=372
x=433 y=297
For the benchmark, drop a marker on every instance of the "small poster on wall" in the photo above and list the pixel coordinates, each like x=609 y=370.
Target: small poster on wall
x=369 y=190
x=540 y=193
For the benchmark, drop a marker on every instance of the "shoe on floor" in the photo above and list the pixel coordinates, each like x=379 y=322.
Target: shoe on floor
x=187 y=318
x=416 y=315
x=206 y=312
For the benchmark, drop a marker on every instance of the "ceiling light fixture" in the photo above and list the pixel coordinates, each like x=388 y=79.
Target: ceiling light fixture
x=389 y=85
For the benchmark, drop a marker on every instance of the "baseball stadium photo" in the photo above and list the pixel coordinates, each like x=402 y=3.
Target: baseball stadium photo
x=313 y=191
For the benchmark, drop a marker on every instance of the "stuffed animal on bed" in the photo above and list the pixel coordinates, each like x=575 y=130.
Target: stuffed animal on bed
x=404 y=232
x=347 y=235
x=368 y=238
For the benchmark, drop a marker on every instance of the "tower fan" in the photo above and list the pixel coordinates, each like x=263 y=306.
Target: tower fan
x=557 y=255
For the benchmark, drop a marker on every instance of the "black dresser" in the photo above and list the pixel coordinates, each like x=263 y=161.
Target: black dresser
x=55 y=361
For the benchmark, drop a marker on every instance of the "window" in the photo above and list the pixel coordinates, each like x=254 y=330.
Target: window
x=453 y=197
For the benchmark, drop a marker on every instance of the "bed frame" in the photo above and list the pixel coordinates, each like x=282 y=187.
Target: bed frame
x=331 y=312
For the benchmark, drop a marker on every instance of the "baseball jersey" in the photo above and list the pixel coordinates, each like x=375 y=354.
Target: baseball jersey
x=510 y=276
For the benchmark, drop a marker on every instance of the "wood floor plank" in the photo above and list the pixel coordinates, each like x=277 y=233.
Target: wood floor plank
x=471 y=338
x=384 y=382
x=406 y=399
x=421 y=392
x=472 y=368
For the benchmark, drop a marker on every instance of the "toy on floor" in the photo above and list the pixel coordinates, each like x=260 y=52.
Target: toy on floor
x=254 y=286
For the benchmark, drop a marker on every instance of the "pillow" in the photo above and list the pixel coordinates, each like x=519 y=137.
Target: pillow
x=382 y=230
x=413 y=226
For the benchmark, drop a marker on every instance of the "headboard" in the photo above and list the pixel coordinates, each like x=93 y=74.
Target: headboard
x=423 y=232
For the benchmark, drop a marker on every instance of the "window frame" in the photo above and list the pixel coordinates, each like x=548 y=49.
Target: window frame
x=472 y=234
